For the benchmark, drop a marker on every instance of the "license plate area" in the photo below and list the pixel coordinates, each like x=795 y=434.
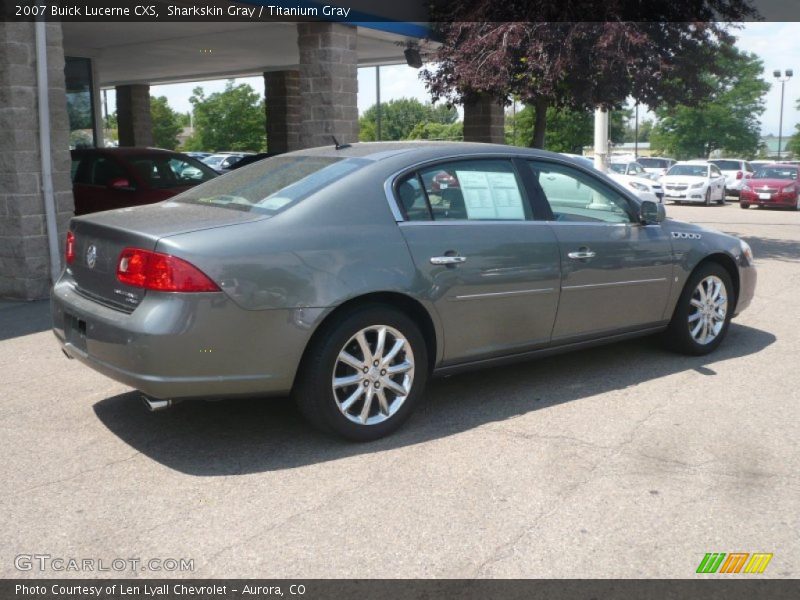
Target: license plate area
x=75 y=331
x=764 y=196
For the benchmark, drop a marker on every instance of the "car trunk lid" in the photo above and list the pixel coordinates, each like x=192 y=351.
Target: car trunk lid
x=101 y=237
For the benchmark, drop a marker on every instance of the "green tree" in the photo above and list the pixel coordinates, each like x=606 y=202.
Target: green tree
x=568 y=130
x=645 y=129
x=437 y=131
x=399 y=118
x=727 y=120
x=233 y=119
x=166 y=124
x=794 y=142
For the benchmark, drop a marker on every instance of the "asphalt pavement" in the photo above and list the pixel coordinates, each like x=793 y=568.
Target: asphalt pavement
x=621 y=461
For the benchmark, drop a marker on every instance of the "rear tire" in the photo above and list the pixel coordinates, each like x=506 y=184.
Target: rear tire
x=336 y=395
x=698 y=325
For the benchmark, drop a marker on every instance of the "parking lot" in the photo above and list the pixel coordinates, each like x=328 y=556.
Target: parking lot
x=621 y=461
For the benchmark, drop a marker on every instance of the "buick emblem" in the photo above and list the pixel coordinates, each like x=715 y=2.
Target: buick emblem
x=91 y=256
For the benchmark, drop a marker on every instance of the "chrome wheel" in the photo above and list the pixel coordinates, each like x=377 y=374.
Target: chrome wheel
x=373 y=375
x=709 y=307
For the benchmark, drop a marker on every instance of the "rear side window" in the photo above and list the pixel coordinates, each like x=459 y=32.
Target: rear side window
x=272 y=185
x=105 y=169
x=474 y=190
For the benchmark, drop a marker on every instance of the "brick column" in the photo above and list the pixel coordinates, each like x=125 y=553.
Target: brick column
x=282 y=91
x=328 y=83
x=484 y=120
x=24 y=256
x=133 y=115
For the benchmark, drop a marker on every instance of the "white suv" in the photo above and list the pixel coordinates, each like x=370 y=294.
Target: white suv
x=736 y=172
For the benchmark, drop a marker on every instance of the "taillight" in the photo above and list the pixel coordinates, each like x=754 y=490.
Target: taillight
x=161 y=272
x=69 y=252
x=739 y=174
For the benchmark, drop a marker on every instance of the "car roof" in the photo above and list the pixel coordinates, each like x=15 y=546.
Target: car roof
x=377 y=151
x=126 y=151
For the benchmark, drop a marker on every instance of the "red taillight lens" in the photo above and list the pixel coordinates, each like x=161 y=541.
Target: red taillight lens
x=69 y=252
x=739 y=174
x=161 y=272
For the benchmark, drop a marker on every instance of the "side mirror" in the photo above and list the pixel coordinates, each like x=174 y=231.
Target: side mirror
x=120 y=183
x=652 y=213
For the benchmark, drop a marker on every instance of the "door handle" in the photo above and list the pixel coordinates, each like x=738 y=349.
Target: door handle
x=448 y=260
x=582 y=254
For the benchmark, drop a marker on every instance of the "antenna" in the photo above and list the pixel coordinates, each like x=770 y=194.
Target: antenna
x=338 y=145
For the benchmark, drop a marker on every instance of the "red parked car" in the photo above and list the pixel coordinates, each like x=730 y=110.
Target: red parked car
x=772 y=185
x=106 y=178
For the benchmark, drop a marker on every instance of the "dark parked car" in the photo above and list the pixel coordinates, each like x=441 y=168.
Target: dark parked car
x=107 y=178
x=331 y=274
x=772 y=186
x=224 y=161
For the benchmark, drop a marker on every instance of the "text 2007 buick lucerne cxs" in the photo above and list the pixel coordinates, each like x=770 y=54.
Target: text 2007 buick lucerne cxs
x=348 y=275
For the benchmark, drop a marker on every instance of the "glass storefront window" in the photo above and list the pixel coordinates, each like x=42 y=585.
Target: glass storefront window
x=78 y=79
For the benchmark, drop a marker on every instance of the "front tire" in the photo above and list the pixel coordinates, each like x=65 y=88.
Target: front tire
x=722 y=198
x=743 y=205
x=364 y=373
x=708 y=197
x=703 y=313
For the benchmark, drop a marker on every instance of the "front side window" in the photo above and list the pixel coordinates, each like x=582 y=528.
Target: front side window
x=716 y=172
x=576 y=196
x=475 y=190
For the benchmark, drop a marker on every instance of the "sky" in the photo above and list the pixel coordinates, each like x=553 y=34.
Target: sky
x=777 y=44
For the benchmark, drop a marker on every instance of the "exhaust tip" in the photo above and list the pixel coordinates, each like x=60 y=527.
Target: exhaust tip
x=155 y=405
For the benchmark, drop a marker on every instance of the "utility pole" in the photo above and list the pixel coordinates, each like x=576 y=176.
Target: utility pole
x=600 y=139
x=783 y=79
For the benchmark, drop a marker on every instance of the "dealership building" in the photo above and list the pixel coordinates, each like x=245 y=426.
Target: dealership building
x=311 y=86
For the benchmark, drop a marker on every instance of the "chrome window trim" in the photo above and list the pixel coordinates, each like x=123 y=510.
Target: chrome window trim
x=397 y=213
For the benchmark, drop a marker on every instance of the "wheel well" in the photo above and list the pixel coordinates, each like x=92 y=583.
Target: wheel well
x=727 y=263
x=406 y=304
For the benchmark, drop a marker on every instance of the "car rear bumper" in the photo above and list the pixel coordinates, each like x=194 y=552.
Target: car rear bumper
x=177 y=346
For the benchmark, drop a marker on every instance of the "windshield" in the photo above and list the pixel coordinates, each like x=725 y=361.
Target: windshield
x=273 y=184
x=654 y=163
x=618 y=167
x=164 y=171
x=689 y=170
x=776 y=173
x=727 y=165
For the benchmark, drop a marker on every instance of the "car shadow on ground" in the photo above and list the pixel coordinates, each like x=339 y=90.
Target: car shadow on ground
x=257 y=435
x=24 y=318
x=771 y=248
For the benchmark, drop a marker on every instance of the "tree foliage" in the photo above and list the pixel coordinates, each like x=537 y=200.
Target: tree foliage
x=578 y=54
x=726 y=120
x=568 y=130
x=794 y=143
x=400 y=117
x=233 y=119
x=166 y=124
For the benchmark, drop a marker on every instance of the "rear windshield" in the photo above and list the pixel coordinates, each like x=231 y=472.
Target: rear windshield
x=163 y=171
x=689 y=170
x=273 y=184
x=776 y=173
x=727 y=165
x=654 y=163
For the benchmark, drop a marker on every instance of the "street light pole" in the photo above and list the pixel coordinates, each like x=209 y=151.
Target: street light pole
x=787 y=75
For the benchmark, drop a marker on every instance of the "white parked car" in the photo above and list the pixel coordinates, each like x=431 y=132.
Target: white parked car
x=736 y=172
x=643 y=187
x=656 y=165
x=696 y=181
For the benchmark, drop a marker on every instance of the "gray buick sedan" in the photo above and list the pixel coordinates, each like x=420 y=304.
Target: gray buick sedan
x=347 y=275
